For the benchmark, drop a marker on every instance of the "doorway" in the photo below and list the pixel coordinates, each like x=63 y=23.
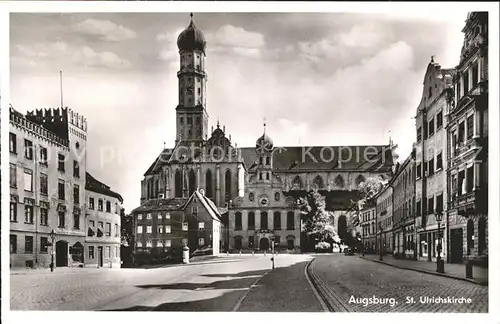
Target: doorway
x=61 y=254
x=456 y=237
x=264 y=244
x=100 y=256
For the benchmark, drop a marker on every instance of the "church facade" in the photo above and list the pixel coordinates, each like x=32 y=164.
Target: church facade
x=255 y=188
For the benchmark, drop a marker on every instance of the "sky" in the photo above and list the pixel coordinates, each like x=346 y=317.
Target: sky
x=315 y=78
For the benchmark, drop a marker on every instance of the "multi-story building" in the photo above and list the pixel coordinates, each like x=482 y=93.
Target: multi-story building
x=47 y=179
x=385 y=218
x=404 y=207
x=368 y=222
x=259 y=185
x=468 y=149
x=163 y=226
x=430 y=157
x=103 y=219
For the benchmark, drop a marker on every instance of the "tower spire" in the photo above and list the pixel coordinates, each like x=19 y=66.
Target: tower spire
x=264 y=125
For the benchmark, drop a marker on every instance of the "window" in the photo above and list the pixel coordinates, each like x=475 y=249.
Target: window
x=149 y=229
x=12 y=143
x=43 y=244
x=466 y=82
x=419 y=208
x=44 y=216
x=149 y=244
x=263 y=220
x=168 y=243
x=28 y=244
x=431 y=167
x=419 y=170
x=139 y=244
x=461 y=132
x=277 y=220
x=28 y=213
x=139 y=216
x=28 y=149
x=91 y=223
x=108 y=229
x=13 y=175
x=290 y=221
x=139 y=229
x=91 y=203
x=91 y=252
x=117 y=230
x=13 y=243
x=431 y=127
x=168 y=229
x=167 y=215
x=43 y=184
x=470 y=126
x=190 y=120
x=430 y=205
x=160 y=216
x=470 y=179
x=201 y=241
x=181 y=120
x=439 y=161
x=76 y=194
x=108 y=206
x=430 y=92
x=268 y=160
x=267 y=175
x=185 y=226
x=60 y=190
x=419 y=133
x=28 y=180
x=475 y=75
x=108 y=252
x=251 y=196
x=277 y=196
x=201 y=225
x=99 y=205
x=13 y=210
x=60 y=162
x=237 y=221
x=76 y=169
x=160 y=229
x=43 y=155
x=61 y=219
x=439 y=203
x=439 y=120
x=148 y=216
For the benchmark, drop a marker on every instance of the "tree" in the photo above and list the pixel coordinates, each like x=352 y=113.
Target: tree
x=317 y=222
x=127 y=238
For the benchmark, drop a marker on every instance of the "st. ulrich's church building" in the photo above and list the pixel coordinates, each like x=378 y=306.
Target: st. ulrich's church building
x=254 y=189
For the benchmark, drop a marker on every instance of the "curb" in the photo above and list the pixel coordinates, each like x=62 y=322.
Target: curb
x=315 y=289
x=330 y=299
x=482 y=283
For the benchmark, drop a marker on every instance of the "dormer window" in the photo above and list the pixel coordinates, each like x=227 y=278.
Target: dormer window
x=430 y=92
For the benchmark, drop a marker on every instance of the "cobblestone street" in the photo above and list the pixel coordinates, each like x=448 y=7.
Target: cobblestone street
x=343 y=277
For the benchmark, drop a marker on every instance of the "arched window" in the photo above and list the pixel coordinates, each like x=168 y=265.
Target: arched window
x=277 y=220
x=237 y=221
x=208 y=184
x=297 y=183
x=359 y=180
x=318 y=182
x=263 y=220
x=268 y=160
x=481 y=235
x=251 y=220
x=192 y=182
x=178 y=183
x=470 y=234
x=339 y=181
x=228 y=185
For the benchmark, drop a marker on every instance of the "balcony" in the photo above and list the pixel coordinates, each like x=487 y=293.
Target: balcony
x=462 y=150
x=470 y=202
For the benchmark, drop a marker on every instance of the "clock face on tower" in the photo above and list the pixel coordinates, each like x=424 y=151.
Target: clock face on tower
x=264 y=201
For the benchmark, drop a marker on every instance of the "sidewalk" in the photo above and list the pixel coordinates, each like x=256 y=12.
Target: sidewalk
x=451 y=270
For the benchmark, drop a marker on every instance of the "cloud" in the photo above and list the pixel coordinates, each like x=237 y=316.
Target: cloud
x=363 y=36
x=248 y=52
x=169 y=37
x=61 y=51
x=105 y=30
x=168 y=55
x=229 y=35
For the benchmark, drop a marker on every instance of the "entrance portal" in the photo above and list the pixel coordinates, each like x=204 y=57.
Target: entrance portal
x=264 y=244
x=456 y=237
x=61 y=254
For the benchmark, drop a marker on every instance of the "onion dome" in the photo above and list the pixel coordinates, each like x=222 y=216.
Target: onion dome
x=264 y=142
x=191 y=38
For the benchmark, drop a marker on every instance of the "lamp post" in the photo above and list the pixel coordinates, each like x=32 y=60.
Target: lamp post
x=440 y=262
x=52 y=238
x=381 y=257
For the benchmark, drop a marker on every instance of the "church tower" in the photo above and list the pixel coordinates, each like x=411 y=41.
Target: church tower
x=192 y=117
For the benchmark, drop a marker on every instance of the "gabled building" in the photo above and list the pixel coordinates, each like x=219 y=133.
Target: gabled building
x=368 y=221
x=163 y=226
x=430 y=159
x=468 y=146
x=384 y=201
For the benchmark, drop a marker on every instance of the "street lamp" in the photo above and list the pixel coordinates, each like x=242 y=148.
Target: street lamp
x=440 y=263
x=52 y=238
x=381 y=257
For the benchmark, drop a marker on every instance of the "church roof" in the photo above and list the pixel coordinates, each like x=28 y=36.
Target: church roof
x=298 y=158
x=191 y=38
x=161 y=204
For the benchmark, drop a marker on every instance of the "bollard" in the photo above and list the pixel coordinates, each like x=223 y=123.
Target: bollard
x=264 y=252
x=240 y=252
x=185 y=255
x=468 y=270
x=253 y=252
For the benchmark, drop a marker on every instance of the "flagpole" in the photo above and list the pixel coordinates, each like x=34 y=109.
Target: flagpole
x=61 y=88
